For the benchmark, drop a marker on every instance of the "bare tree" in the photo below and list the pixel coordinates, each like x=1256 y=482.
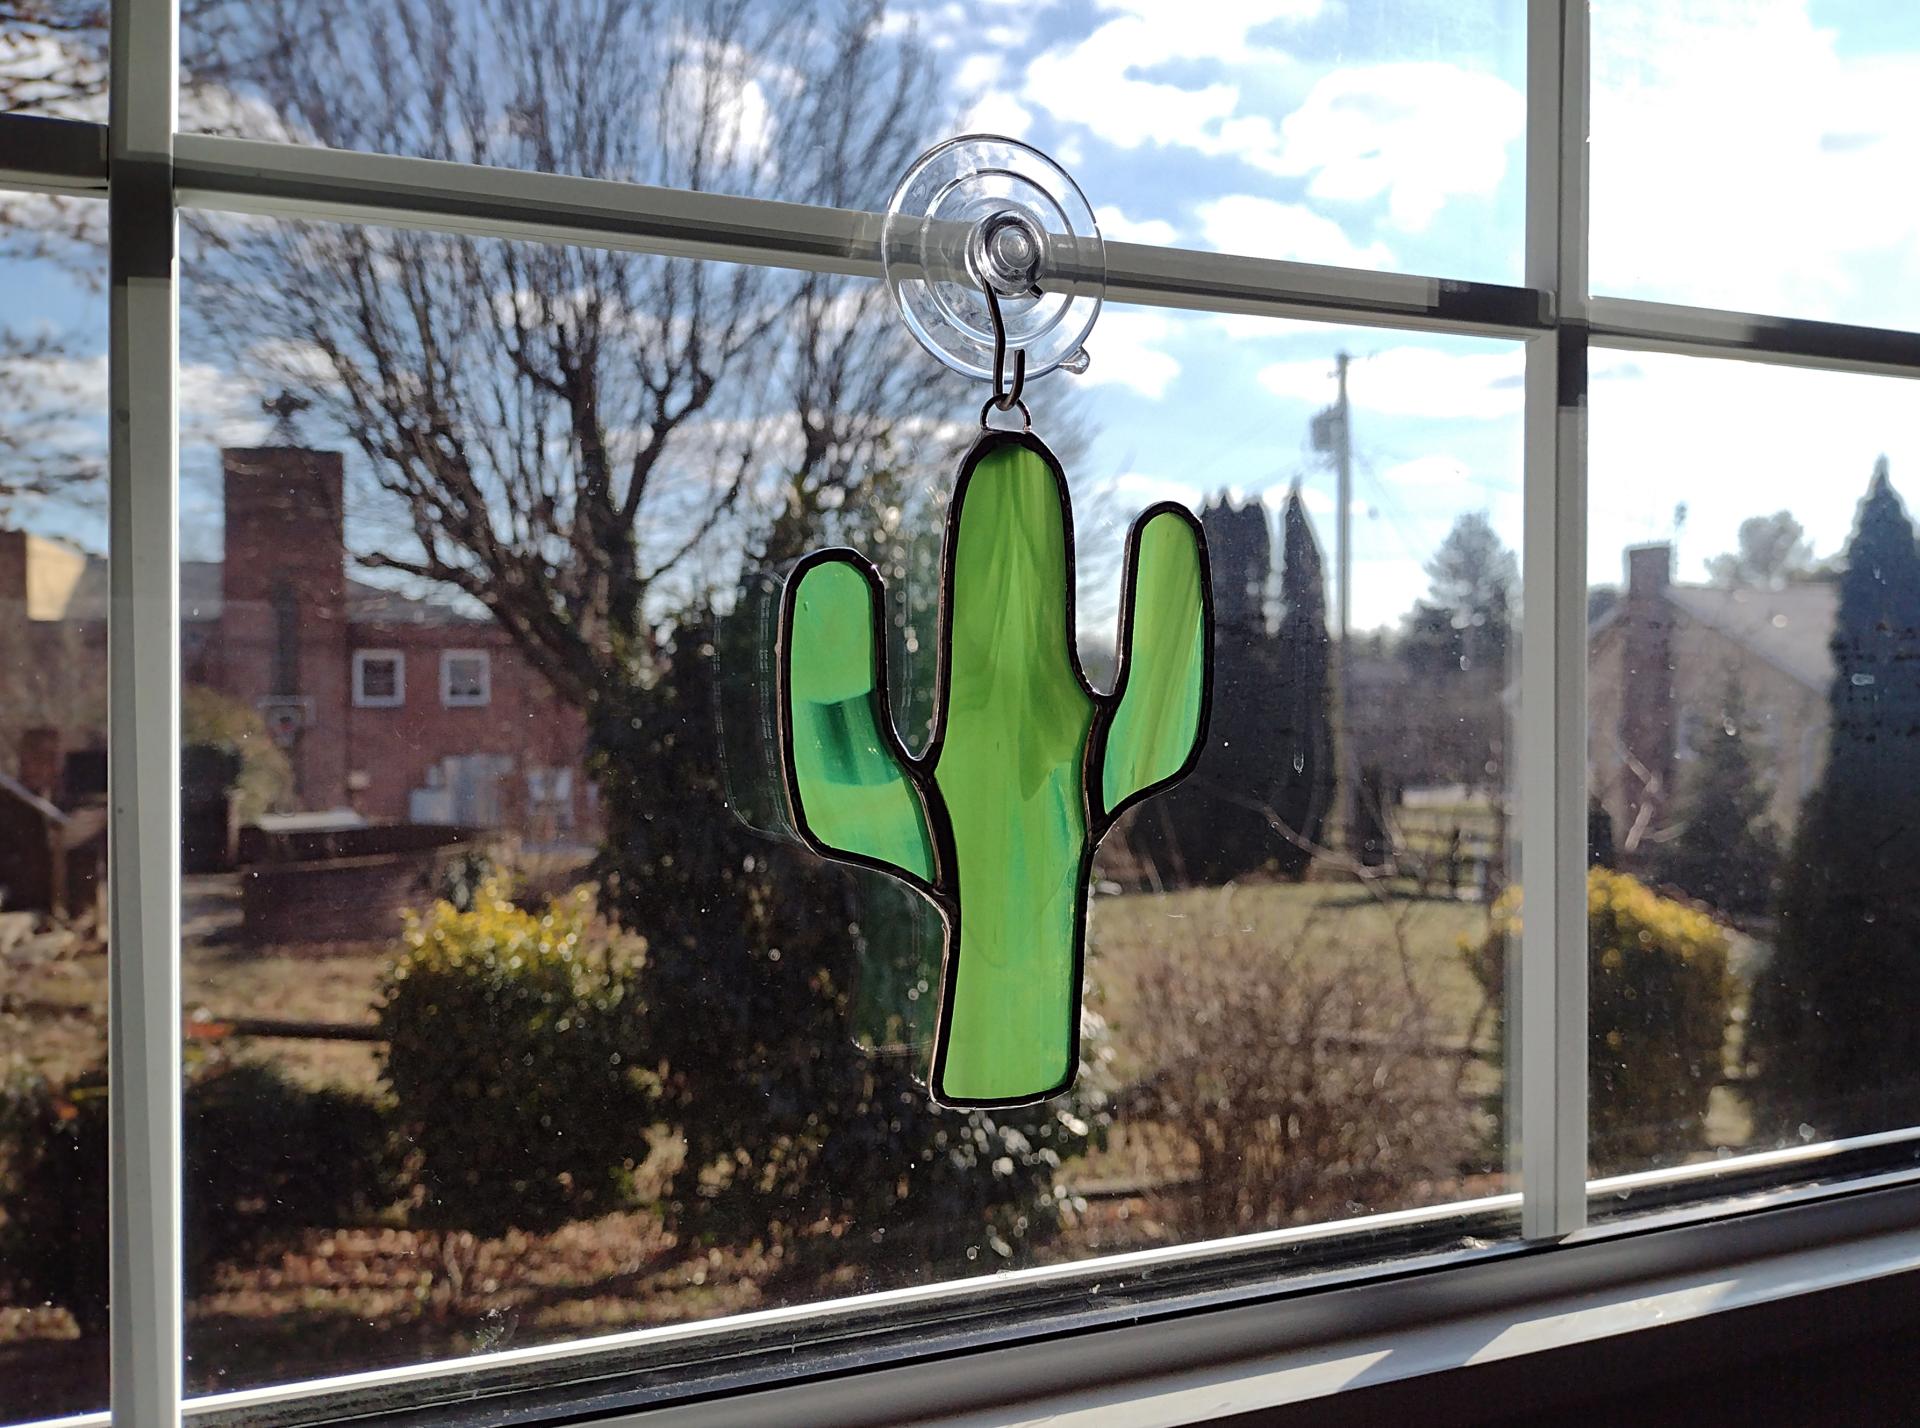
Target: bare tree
x=567 y=429
x=53 y=56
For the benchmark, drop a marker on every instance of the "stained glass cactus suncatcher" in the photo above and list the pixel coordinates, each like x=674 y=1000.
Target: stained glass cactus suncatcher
x=1028 y=765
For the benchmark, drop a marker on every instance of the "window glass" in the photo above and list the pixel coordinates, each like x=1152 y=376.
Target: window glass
x=1741 y=152
x=1753 y=640
x=701 y=1049
x=463 y=678
x=1384 y=135
x=379 y=678
x=53 y=58
x=53 y=717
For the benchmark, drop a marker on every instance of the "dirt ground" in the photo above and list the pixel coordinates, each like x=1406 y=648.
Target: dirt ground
x=360 y=1297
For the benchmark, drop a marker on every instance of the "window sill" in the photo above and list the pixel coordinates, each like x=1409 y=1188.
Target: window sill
x=1292 y=1350
x=1167 y=1343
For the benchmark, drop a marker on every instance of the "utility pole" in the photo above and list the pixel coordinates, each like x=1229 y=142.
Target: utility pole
x=1348 y=772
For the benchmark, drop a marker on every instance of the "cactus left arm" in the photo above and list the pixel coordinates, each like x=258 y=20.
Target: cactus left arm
x=1154 y=731
x=852 y=793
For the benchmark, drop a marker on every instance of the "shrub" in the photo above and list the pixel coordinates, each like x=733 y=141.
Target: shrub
x=262 y=779
x=1306 y=1077
x=513 y=1075
x=794 y=1135
x=263 y=1157
x=1659 y=995
x=53 y=1194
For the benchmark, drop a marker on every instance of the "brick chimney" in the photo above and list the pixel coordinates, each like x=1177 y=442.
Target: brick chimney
x=284 y=638
x=40 y=762
x=1646 y=706
x=13 y=576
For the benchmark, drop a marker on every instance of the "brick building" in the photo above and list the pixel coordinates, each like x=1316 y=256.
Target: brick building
x=400 y=709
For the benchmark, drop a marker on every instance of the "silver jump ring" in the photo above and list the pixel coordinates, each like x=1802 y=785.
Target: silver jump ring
x=994 y=404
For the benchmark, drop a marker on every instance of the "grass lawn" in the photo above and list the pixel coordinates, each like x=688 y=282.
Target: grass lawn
x=1323 y=920
x=352 y=1298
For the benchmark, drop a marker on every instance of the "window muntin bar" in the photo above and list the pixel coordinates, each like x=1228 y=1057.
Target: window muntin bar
x=143 y=743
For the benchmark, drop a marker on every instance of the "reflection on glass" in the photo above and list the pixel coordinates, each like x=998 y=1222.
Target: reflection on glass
x=1751 y=760
x=1742 y=155
x=492 y=897
x=1383 y=136
x=53 y=816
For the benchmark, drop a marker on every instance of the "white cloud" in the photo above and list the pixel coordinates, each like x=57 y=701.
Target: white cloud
x=1740 y=159
x=1415 y=134
x=721 y=91
x=1411 y=134
x=1116 y=225
x=1096 y=82
x=59 y=75
x=219 y=407
x=1445 y=472
x=977 y=72
x=1266 y=228
x=998 y=113
x=1125 y=350
x=1136 y=490
x=1411 y=382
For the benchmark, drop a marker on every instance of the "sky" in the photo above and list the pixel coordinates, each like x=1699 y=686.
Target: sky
x=1748 y=153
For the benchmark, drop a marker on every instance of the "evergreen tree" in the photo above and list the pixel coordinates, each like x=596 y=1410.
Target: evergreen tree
x=1473 y=575
x=1302 y=729
x=1835 y=1032
x=1728 y=850
x=1454 y=645
x=1213 y=827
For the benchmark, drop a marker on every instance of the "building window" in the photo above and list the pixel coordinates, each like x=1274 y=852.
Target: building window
x=379 y=679
x=465 y=679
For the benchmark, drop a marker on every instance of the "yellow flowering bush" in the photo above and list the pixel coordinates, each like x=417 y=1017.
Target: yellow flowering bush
x=510 y=1060
x=1659 y=995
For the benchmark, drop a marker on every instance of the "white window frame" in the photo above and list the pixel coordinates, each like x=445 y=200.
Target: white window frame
x=451 y=700
x=364 y=700
x=147 y=171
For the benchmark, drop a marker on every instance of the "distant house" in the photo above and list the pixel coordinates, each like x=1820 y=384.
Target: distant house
x=1659 y=661
x=396 y=707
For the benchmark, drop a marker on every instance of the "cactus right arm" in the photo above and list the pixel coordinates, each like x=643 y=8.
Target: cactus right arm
x=853 y=796
x=1154 y=732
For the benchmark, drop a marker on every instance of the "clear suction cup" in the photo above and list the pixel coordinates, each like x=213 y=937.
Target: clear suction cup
x=983 y=210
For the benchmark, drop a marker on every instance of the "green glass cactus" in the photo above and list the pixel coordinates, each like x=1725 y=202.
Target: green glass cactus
x=1028 y=765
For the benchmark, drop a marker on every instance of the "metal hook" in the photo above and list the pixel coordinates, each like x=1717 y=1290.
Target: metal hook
x=1005 y=398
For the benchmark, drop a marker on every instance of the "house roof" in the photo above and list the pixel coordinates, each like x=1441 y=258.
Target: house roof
x=201 y=599
x=12 y=788
x=1790 y=628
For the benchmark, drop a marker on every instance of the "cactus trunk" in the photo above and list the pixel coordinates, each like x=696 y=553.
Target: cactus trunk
x=1028 y=765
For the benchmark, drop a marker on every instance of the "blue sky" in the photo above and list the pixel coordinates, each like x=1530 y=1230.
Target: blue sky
x=1749 y=153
